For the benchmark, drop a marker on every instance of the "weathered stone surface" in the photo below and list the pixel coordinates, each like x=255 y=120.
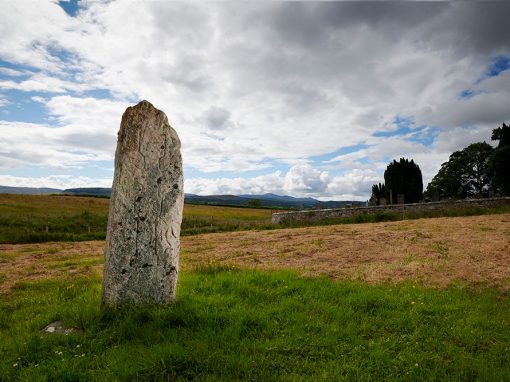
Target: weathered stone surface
x=144 y=223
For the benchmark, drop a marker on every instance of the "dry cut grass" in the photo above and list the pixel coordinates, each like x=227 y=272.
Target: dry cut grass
x=470 y=251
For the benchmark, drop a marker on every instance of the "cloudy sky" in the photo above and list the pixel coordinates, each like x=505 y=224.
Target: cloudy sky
x=302 y=98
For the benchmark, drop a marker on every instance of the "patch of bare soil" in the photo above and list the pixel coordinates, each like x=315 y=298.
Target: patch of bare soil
x=471 y=251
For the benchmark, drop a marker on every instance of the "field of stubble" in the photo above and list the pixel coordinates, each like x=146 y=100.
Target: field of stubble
x=468 y=251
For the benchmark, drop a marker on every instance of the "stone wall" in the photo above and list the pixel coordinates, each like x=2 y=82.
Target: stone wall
x=296 y=217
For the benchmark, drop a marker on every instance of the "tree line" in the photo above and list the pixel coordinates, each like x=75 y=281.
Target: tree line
x=478 y=170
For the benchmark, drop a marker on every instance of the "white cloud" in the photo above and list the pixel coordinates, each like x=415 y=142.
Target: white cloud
x=303 y=179
x=54 y=181
x=300 y=180
x=39 y=82
x=41 y=145
x=458 y=138
x=250 y=85
x=216 y=118
x=355 y=185
x=272 y=183
x=12 y=72
x=87 y=131
x=480 y=110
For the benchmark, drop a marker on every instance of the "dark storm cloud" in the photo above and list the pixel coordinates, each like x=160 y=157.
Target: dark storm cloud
x=216 y=118
x=311 y=23
x=480 y=27
x=477 y=27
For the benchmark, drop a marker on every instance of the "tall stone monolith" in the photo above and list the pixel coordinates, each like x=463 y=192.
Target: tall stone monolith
x=142 y=241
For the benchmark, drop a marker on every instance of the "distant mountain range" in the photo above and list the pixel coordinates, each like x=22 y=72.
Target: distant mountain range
x=28 y=190
x=247 y=200
x=45 y=191
x=265 y=200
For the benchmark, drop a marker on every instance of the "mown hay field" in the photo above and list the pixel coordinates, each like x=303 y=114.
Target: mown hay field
x=469 y=251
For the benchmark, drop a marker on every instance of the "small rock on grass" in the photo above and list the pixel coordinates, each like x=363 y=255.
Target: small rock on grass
x=59 y=327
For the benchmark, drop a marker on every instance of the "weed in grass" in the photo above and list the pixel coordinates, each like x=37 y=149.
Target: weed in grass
x=423 y=235
x=412 y=239
x=317 y=242
x=7 y=257
x=28 y=250
x=441 y=248
x=409 y=258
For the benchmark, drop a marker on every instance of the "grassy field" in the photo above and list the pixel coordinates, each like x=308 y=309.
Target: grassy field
x=39 y=218
x=203 y=219
x=42 y=218
x=238 y=325
x=424 y=299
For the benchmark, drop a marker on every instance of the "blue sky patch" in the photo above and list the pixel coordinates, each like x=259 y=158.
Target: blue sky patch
x=403 y=126
x=466 y=94
x=22 y=109
x=319 y=159
x=98 y=94
x=424 y=135
x=65 y=56
x=400 y=131
x=498 y=65
x=19 y=68
x=71 y=7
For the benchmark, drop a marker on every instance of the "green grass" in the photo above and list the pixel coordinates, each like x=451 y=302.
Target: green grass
x=42 y=218
x=37 y=218
x=231 y=325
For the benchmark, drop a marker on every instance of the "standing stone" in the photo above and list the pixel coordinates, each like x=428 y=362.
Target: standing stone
x=144 y=222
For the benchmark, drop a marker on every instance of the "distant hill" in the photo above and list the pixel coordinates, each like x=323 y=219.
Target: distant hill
x=93 y=191
x=28 y=190
x=230 y=200
x=266 y=200
x=280 y=198
x=246 y=200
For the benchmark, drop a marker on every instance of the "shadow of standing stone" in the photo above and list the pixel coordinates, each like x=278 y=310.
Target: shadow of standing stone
x=144 y=222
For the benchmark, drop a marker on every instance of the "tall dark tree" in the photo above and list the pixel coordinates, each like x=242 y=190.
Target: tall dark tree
x=465 y=174
x=499 y=162
x=448 y=181
x=404 y=177
x=378 y=192
x=502 y=134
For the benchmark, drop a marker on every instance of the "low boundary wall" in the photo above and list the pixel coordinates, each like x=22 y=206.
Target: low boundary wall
x=318 y=215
